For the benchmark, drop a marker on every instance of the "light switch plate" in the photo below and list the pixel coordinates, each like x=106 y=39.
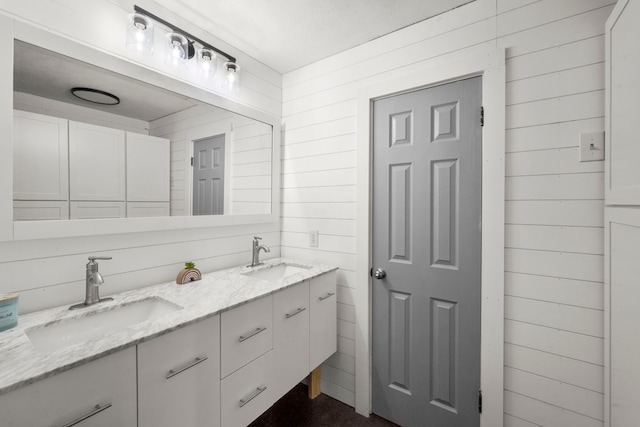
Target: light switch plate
x=591 y=146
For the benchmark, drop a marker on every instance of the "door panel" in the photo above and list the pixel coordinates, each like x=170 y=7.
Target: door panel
x=427 y=238
x=208 y=176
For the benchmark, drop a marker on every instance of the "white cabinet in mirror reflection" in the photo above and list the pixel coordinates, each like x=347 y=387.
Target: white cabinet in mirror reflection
x=96 y=163
x=65 y=169
x=147 y=168
x=40 y=157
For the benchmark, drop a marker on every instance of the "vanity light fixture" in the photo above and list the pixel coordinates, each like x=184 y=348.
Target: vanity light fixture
x=95 y=96
x=179 y=49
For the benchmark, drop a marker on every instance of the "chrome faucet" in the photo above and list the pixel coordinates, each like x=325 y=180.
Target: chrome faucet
x=93 y=280
x=257 y=247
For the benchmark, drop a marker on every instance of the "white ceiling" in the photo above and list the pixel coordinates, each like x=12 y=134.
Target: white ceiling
x=288 y=34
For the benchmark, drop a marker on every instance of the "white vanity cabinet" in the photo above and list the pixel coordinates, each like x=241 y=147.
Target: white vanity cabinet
x=323 y=318
x=179 y=377
x=96 y=163
x=101 y=393
x=225 y=370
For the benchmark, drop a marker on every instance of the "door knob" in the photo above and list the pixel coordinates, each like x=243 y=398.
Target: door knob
x=379 y=274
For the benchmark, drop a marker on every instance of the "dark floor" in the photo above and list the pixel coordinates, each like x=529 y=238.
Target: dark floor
x=295 y=409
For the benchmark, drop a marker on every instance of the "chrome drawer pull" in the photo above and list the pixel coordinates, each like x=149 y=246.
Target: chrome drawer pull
x=173 y=373
x=96 y=410
x=253 y=396
x=298 y=311
x=328 y=295
x=255 y=332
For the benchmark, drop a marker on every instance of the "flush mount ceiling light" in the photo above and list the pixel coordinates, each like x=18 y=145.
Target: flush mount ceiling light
x=95 y=96
x=179 y=48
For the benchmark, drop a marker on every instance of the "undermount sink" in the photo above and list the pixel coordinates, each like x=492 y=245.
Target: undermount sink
x=276 y=272
x=99 y=321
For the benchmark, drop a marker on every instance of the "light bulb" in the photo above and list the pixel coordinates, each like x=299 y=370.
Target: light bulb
x=139 y=33
x=232 y=81
x=206 y=63
x=176 y=49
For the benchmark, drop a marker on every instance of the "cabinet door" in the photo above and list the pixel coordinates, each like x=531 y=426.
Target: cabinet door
x=96 y=162
x=179 y=377
x=148 y=160
x=246 y=333
x=248 y=392
x=40 y=157
x=323 y=321
x=291 y=336
x=103 y=391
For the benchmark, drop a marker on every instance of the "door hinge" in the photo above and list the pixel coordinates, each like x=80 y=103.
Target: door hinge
x=192 y=161
x=481 y=116
x=480 y=401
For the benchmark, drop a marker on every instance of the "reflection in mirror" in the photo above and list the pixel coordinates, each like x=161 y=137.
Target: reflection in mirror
x=155 y=153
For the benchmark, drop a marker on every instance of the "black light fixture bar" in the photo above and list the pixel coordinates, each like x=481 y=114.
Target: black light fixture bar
x=184 y=33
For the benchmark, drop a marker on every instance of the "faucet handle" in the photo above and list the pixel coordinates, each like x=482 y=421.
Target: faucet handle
x=93 y=258
x=257 y=238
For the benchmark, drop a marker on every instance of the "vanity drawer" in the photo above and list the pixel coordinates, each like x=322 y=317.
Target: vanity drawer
x=101 y=393
x=248 y=392
x=179 y=377
x=246 y=333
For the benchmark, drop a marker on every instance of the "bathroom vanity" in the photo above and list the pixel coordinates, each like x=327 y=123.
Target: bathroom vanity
x=215 y=352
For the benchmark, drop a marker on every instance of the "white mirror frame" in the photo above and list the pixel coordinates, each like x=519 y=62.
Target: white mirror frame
x=10 y=230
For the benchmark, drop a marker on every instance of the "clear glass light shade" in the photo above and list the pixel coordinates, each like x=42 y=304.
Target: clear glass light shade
x=139 y=34
x=231 y=81
x=176 y=49
x=206 y=64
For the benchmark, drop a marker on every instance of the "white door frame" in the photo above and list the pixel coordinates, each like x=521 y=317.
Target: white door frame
x=489 y=62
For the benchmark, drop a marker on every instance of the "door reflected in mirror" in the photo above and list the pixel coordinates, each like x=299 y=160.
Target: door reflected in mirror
x=155 y=153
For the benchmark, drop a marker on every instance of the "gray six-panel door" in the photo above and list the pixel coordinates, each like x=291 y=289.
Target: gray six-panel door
x=208 y=176
x=427 y=255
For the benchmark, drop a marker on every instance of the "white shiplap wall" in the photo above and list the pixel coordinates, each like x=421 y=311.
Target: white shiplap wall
x=50 y=272
x=554 y=209
x=248 y=151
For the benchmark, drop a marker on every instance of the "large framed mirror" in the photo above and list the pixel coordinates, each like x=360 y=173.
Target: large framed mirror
x=132 y=150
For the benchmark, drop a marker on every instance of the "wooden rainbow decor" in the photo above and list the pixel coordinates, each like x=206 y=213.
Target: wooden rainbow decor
x=187 y=275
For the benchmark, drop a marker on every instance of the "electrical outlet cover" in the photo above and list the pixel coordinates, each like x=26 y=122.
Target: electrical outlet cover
x=313 y=238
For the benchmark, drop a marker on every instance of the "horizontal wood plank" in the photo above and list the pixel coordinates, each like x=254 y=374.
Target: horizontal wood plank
x=562 y=343
x=582 y=401
x=570 y=371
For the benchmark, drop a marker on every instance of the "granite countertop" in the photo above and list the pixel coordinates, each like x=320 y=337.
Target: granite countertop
x=21 y=363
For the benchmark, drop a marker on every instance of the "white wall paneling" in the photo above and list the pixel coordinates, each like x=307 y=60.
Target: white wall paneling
x=553 y=205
